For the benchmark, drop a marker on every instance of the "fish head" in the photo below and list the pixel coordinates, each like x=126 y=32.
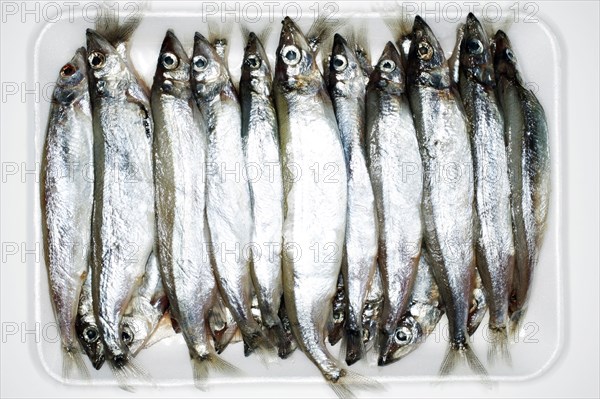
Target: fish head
x=404 y=339
x=426 y=64
x=135 y=330
x=345 y=73
x=173 y=67
x=256 y=69
x=477 y=310
x=296 y=67
x=505 y=61
x=388 y=74
x=475 y=55
x=88 y=334
x=209 y=71
x=72 y=81
x=105 y=65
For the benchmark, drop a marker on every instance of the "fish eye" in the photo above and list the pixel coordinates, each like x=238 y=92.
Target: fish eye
x=169 y=61
x=338 y=316
x=424 y=51
x=127 y=334
x=387 y=65
x=200 y=62
x=510 y=55
x=96 y=60
x=291 y=55
x=91 y=334
x=474 y=46
x=339 y=62
x=402 y=336
x=68 y=70
x=253 y=61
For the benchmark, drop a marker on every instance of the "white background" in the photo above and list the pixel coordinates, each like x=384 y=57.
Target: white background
x=574 y=373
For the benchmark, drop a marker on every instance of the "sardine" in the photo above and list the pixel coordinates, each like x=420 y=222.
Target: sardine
x=448 y=208
x=396 y=174
x=347 y=90
x=260 y=137
x=228 y=205
x=145 y=310
x=66 y=202
x=86 y=325
x=527 y=146
x=315 y=188
x=123 y=221
x=494 y=239
x=180 y=153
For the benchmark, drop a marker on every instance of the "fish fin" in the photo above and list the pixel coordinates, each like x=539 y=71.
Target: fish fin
x=73 y=364
x=219 y=34
x=115 y=32
x=516 y=323
x=321 y=31
x=499 y=346
x=349 y=381
x=202 y=367
x=259 y=343
x=128 y=371
x=353 y=347
x=262 y=35
x=276 y=333
x=463 y=355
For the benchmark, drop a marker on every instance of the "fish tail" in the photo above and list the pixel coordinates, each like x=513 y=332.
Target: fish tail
x=73 y=364
x=462 y=354
x=257 y=342
x=114 y=31
x=321 y=31
x=499 y=348
x=353 y=347
x=516 y=323
x=126 y=370
x=277 y=333
x=349 y=381
x=202 y=366
x=219 y=34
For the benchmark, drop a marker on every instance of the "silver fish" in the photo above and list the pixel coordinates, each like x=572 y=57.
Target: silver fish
x=347 y=90
x=228 y=205
x=424 y=312
x=396 y=174
x=86 y=325
x=66 y=201
x=261 y=147
x=494 y=239
x=145 y=310
x=123 y=220
x=526 y=135
x=180 y=153
x=448 y=189
x=315 y=187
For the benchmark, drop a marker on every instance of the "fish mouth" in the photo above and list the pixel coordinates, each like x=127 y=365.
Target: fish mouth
x=171 y=44
x=98 y=362
x=292 y=35
x=97 y=42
